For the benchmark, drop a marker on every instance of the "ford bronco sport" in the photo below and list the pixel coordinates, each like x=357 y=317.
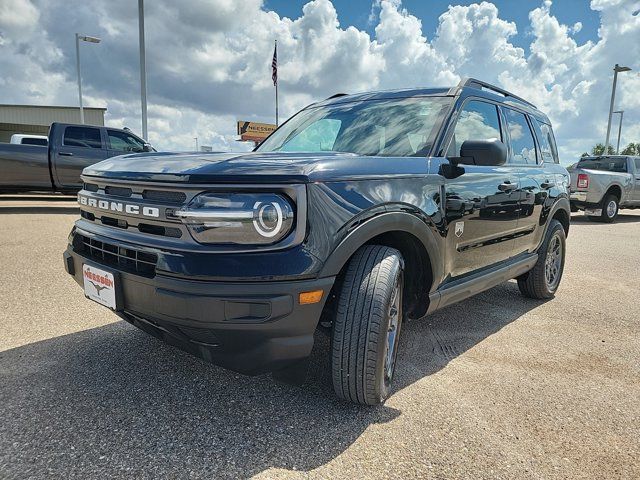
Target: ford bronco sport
x=357 y=213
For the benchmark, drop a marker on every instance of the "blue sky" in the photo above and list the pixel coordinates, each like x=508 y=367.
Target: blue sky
x=356 y=13
x=209 y=61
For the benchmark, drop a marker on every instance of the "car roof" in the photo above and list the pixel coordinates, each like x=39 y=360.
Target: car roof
x=468 y=87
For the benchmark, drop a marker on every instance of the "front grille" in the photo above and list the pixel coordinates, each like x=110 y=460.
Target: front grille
x=164 y=196
x=127 y=259
x=118 y=191
x=159 y=230
x=91 y=187
x=147 y=228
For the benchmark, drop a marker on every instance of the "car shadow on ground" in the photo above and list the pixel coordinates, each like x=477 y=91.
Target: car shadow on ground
x=621 y=218
x=114 y=401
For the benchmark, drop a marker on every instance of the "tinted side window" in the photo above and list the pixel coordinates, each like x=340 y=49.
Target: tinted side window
x=124 y=142
x=82 y=137
x=477 y=121
x=523 y=146
x=637 y=160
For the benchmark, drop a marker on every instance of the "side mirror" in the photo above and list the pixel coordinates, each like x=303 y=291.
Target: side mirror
x=482 y=152
x=147 y=147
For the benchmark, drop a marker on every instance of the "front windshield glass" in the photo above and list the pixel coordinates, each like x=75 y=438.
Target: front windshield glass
x=392 y=127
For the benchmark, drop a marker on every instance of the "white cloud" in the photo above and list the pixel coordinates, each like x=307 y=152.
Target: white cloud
x=208 y=61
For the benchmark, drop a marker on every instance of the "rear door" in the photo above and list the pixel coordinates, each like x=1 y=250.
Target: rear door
x=535 y=180
x=481 y=205
x=81 y=146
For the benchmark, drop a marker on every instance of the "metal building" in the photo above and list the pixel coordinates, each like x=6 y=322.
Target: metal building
x=36 y=119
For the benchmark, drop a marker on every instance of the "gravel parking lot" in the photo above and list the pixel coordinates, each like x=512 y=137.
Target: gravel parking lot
x=498 y=386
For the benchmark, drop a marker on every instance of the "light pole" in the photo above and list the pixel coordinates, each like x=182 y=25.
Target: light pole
x=616 y=70
x=621 y=112
x=143 y=70
x=84 y=38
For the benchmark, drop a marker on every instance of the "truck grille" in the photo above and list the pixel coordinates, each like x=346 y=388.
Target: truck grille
x=160 y=196
x=127 y=259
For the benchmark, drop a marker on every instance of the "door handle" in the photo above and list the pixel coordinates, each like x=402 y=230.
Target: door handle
x=547 y=185
x=507 y=187
x=65 y=154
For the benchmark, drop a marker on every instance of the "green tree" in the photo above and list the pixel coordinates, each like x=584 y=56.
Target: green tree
x=632 y=149
x=598 y=149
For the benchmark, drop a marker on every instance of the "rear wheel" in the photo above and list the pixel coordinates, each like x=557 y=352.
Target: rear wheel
x=366 y=328
x=610 y=208
x=543 y=279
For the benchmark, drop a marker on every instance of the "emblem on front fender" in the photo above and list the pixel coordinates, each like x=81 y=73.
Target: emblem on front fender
x=459 y=229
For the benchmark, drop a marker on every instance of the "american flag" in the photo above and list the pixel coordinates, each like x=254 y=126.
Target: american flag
x=274 y=65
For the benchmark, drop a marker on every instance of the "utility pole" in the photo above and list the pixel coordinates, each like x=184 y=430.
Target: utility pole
x=616 y=70
x=143 y=70
x=84 y=38
x=621 y=112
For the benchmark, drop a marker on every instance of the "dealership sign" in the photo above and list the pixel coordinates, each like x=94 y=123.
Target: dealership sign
x=254 y=131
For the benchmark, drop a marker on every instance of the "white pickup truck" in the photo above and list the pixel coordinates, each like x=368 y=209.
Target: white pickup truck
x=603 y=185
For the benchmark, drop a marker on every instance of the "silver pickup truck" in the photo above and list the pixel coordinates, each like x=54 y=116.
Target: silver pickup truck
x=603 y=185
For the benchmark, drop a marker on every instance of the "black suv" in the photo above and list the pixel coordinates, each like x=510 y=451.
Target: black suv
x=357 y=213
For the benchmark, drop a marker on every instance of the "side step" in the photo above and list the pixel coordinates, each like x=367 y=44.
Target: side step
x=464 y=288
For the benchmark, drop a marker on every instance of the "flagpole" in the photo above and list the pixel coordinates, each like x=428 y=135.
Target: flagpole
x=276 y=50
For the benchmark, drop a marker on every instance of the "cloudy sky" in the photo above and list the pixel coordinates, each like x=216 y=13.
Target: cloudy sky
x=208 y=61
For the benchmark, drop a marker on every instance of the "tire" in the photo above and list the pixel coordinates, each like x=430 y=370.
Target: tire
x=610 y=209
x=367 y=324
x=543 y=279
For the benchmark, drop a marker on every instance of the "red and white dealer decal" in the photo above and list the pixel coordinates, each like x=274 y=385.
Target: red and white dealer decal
x=99 y=286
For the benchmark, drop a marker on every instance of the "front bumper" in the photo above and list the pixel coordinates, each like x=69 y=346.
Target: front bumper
x=248 y=327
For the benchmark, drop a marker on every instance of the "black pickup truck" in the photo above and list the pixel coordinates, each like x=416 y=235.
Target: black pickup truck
x=58 y=165
x=357 y=213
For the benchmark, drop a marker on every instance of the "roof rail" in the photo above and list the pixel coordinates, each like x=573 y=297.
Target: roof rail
x=475 y=83
x=336 y=96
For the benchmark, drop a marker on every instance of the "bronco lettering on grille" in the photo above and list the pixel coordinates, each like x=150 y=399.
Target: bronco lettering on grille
x=129 y=208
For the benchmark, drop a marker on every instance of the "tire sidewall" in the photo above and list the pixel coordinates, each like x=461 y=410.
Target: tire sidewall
x=605 y=208
x=556 y=230
x=383 y=388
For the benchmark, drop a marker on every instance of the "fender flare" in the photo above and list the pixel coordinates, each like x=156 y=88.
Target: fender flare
x=384 y=223
x=560 y=204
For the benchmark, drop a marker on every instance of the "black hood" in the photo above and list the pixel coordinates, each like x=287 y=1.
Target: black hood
x=206 y=167
x=255 y=167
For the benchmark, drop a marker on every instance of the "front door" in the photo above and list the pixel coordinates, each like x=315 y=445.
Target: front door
x=81 y=146
x=121 y=143
x=481 y=206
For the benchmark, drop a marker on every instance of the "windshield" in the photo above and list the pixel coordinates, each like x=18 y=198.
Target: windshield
x=393 y=127
x=604 y=163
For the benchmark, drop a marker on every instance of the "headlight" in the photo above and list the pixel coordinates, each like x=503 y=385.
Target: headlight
x=238 y=218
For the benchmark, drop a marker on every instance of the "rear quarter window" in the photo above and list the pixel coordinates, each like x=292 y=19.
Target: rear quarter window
x=547 y=141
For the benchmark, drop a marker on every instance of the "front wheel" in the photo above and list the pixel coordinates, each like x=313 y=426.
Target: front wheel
x=543 y=279
x=366 y=328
